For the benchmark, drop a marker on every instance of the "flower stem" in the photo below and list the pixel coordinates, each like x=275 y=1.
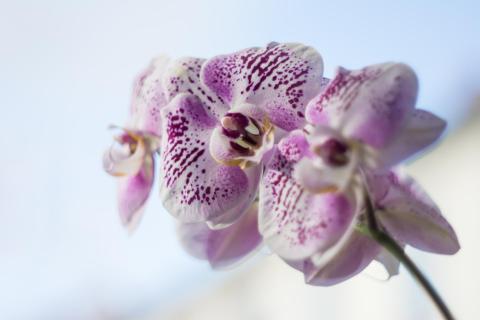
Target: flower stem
x=396 y=250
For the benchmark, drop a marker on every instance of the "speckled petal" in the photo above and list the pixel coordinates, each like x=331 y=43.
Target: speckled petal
x=149 y=97
x=409 y=214
x=423 y=128
x=194 y=186
x=133 y=192
x=280 y=79
x=294 y=222
x=294 y=146
x=222 y=247
x=356 y=255
x=371 y=104
x=183 y=76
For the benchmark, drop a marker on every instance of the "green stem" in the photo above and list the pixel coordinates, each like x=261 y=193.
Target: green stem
x=396 y=250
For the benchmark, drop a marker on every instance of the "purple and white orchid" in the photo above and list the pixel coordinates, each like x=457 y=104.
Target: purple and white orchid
x=311 y=197
x=219 y=126
x=257 y=146
x=132 y=156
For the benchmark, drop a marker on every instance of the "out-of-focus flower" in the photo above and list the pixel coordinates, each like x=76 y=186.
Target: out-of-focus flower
x=222 y=247
x=322 y=235
x=220 y=126
x=311 y=194
x=406 y=212
x=364 y=119
x=132 y=156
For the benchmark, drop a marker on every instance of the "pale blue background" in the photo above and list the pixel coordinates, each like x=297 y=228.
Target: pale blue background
x=66 y=69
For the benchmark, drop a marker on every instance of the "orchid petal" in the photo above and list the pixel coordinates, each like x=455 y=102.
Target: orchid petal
x=194 y=186
x=390 y=263
x=280 y=79
x=356 y=255
x=133 y=192
x=317 y=178
x=294 y=146
x=371 y=104
x=295 y=223
x=149 y=96
x=410 y=216
x=222 y=247
x=423 y=128
x=183 y=76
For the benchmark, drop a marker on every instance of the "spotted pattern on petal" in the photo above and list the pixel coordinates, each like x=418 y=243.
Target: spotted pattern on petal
x=280 y=78
x=294 y=222
x=340 y=92
x=183 y=76
x=371 y=104
x=185 y=146
x=195 y=187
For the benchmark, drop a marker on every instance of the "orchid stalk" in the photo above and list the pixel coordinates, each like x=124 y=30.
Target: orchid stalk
x=397 y=251
x=258 y=147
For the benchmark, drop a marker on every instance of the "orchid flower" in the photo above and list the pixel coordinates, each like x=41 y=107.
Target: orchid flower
x=311 y=204
x=366 y=119
x=219 y=126
x=132 y=156
x=257 y=145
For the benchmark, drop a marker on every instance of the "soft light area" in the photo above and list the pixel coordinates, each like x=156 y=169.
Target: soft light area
x=66 y=69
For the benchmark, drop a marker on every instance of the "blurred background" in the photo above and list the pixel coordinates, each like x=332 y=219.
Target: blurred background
x=66 y=69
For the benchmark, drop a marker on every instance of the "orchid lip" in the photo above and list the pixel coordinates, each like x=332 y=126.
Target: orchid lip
x=333 y=152
x=244 y=138
x=245 y=130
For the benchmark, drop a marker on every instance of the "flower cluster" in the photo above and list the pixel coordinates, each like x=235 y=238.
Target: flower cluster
x=258 y=147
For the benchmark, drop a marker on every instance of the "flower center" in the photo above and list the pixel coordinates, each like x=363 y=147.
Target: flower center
x=333 y=152
x=245 y=133
x=241 y=140
x=129 y=140
x=128 y=153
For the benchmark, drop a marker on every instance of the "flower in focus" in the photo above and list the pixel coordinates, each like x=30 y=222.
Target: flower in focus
x=311 y=196
x=132 y=156
x=265 y=118
x=219 y=126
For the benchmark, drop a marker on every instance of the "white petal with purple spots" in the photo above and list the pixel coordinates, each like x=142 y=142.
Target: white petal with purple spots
x=195 y=187
x=280 y=79
x=371 y=105
x=294 y=222
x=183 y=76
